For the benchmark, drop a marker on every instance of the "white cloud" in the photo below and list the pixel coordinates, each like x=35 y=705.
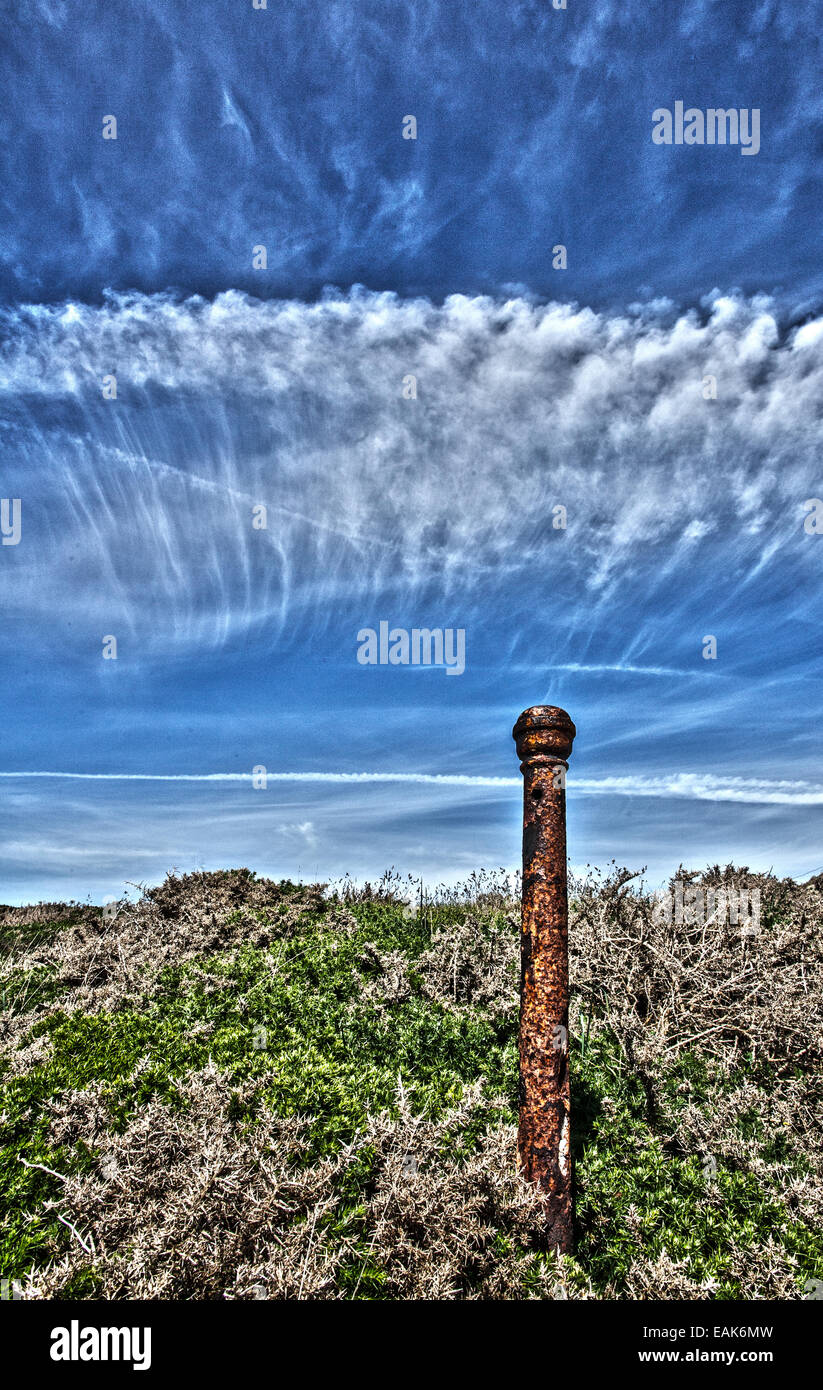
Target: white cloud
x=693 y=786
x=520 y=406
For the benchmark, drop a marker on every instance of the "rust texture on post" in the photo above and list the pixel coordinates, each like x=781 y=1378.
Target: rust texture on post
x=544 y=736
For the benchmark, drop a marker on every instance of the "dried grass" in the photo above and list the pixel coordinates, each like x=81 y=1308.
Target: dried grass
x=187 y=1203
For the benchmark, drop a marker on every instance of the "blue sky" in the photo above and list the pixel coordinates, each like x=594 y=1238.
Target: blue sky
x=536 y=387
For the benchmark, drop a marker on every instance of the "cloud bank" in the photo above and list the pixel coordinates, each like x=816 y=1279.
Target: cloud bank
x=373 y=498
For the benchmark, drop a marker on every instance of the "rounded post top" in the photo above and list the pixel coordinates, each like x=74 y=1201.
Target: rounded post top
x=544 y=731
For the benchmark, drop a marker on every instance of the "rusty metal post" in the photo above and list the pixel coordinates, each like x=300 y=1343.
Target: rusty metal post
x=544 y=736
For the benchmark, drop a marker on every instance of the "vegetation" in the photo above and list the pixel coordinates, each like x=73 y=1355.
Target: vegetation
x=236 y=1088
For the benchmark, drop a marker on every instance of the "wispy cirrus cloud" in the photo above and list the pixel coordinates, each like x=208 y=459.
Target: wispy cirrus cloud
x=621 y=668
x=696 y=786
x=684 y=517
x=214 y=156
x=372 y=497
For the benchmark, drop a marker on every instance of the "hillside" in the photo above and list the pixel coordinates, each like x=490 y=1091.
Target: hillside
x=236 y=1088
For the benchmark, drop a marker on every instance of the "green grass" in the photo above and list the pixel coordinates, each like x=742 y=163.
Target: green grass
x=623 y=1166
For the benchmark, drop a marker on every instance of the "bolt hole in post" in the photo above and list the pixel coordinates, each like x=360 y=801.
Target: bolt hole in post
x=543 y=736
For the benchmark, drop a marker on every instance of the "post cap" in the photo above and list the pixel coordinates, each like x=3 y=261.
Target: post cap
x=544 y=731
